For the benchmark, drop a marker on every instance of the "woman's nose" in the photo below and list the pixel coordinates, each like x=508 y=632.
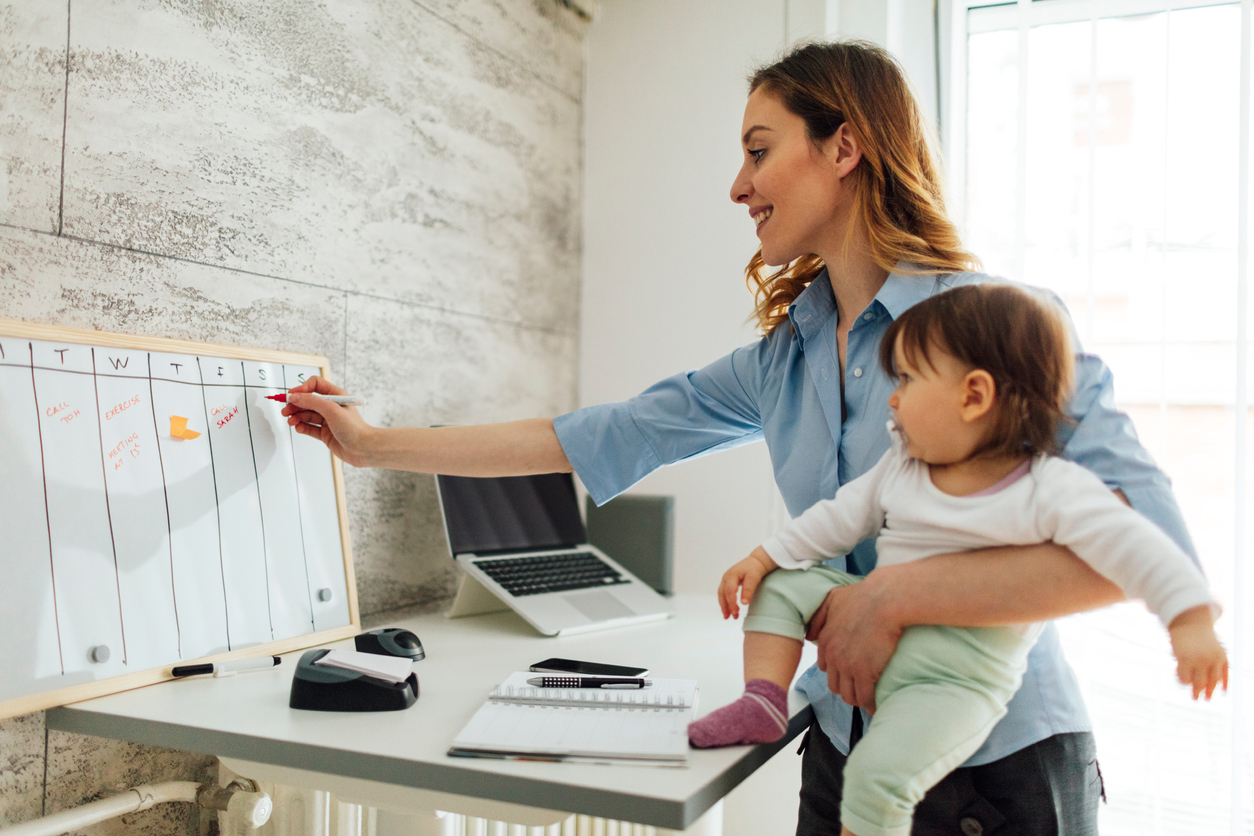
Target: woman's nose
x=893 y=400
x=741 y=189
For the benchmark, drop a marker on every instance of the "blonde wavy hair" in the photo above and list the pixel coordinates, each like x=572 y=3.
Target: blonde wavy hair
x=898 y=196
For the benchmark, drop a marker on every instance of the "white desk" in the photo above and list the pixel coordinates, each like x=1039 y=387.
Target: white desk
x=246 y=718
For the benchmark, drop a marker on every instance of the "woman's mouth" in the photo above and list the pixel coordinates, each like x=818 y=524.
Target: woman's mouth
x=760 y=217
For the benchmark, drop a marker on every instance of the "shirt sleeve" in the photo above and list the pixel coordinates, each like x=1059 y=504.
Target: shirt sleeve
x=1103 y=440
x=1077 y=511
x=832 y=527
x=612 y=446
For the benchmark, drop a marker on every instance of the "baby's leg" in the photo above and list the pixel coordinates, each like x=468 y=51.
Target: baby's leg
x=761 y=714
x=771 y=657
x=938 y=700
x=774 y=631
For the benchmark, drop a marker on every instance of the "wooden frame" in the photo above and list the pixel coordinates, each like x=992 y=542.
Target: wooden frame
x=75 y=693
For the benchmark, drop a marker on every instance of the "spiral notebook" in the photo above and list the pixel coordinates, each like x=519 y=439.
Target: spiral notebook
x=584 y=724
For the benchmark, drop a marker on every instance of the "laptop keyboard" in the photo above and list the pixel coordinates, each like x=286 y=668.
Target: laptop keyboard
x=523 y=576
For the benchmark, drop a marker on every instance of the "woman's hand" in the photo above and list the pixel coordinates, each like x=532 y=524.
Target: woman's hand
x=856 y=638
x=741 y=581
x=341 y=428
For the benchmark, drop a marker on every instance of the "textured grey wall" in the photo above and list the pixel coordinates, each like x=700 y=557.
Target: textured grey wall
x=393 y=184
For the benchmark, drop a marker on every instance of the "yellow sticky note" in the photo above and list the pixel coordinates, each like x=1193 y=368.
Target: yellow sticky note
x=178 y=428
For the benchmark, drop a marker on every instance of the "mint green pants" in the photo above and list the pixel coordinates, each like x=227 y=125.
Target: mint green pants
x=936 y=702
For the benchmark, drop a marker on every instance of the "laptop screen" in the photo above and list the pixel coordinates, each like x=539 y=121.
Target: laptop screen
x=511 y=513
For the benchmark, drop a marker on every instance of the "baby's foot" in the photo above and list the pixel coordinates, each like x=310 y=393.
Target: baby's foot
x=760 y=716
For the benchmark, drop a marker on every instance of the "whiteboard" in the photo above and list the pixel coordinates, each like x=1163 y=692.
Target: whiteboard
x=156 y=509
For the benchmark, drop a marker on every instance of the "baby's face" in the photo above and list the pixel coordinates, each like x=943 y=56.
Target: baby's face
x=928 y=404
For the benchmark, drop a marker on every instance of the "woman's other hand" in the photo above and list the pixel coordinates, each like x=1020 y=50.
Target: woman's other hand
x=341 y=428
x=741 y=581
x=856 y=638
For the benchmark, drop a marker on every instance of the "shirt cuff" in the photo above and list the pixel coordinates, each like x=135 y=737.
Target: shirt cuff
x=605 y=448
x=781 y=556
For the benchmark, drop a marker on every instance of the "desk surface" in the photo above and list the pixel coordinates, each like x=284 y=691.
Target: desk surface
x=247 y=717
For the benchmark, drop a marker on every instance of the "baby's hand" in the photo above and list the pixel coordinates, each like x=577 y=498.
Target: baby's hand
x=743 y=578
x=1200 y=658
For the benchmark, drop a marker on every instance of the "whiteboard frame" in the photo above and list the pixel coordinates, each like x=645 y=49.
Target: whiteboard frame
x=112 y=685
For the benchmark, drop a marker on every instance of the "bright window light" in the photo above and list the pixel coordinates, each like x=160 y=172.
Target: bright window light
x=1101 y=153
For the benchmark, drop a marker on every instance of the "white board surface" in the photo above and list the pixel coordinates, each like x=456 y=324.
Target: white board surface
x=130 y=549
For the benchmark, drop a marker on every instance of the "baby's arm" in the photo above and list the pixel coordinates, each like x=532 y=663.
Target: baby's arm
x=832 y=527
x=743 y=578
x=1078 y=511
x=1200 y=658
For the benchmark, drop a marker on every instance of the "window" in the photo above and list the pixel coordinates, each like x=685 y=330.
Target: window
x=1100 y=148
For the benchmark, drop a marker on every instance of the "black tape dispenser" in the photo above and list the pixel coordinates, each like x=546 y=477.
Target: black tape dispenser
x=324 y=688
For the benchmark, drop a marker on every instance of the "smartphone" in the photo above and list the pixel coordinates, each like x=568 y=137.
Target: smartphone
x=586 y=668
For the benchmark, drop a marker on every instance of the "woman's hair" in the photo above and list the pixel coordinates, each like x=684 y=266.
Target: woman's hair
x=897 y=185
x=1019 y=338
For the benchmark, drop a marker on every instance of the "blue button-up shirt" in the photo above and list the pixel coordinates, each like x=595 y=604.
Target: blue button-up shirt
x=785 y=389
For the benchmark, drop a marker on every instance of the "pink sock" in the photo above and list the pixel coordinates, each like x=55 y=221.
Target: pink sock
x=760 y=716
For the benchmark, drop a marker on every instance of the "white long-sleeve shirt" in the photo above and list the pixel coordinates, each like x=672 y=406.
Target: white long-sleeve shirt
x=1057 y=501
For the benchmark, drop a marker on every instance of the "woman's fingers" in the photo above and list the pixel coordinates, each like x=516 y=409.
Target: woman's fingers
x=320 y=385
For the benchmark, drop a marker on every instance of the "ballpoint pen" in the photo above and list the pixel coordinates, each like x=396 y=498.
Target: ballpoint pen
x=588 y=682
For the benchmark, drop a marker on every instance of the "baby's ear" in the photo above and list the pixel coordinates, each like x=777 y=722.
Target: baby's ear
x=979 y=392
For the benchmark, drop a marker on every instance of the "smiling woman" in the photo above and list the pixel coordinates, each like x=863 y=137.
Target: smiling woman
x=845 y=194
x=809 y=121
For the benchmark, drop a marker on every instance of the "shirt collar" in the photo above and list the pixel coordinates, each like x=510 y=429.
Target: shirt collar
x=816 y=304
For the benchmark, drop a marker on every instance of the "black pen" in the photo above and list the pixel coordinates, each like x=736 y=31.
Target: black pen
x=588 y=682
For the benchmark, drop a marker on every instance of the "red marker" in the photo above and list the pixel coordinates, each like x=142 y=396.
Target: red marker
x=342 y=400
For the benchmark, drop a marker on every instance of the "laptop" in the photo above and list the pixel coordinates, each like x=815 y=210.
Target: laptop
x=521 y=538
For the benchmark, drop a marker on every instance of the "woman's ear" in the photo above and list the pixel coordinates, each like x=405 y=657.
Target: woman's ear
x=843 y=151
x=978 y=393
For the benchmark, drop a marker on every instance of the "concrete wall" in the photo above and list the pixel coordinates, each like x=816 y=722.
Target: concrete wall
x=393 y=184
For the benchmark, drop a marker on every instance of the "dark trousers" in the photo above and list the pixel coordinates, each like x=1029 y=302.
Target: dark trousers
x=1051 y=788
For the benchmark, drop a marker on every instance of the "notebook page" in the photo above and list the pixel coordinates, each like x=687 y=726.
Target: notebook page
x=646 y=734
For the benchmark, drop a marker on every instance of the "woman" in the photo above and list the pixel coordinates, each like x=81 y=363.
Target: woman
x=846 y=197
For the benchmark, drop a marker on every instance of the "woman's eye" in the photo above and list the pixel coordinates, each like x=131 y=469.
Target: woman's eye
x=757 y=154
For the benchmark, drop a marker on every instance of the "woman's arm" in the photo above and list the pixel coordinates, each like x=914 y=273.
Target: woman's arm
x=858 y=626
x=515 y=448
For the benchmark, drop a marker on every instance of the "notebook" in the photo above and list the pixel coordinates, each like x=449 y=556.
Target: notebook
x=648 y=726
x=522 y=539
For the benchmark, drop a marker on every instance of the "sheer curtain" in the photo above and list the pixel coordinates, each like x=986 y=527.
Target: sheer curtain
x=1101 y=148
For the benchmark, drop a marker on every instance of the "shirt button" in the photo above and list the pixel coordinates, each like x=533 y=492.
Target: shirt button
x=857 y=372
x=868 y=316
x=970 y=826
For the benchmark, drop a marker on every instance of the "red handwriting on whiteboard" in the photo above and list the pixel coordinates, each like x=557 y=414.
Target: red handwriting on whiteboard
x=226 y=413
x=122 y=407
x=128 y=445
x=63 y=412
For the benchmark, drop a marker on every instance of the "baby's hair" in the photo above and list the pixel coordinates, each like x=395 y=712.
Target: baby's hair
x=1019 y=338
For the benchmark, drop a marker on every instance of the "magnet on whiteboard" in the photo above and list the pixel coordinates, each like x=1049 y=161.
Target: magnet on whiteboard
x=99 y=653
x=324 y=594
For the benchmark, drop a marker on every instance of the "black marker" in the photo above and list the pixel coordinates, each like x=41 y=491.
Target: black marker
x=227 y=668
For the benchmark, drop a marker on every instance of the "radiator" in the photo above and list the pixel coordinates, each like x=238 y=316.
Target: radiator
x=306 y=812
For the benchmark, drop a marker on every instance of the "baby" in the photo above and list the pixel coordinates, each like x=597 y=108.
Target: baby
x=983 y=373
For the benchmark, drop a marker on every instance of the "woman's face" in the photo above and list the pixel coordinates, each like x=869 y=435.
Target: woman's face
x=793 y=190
